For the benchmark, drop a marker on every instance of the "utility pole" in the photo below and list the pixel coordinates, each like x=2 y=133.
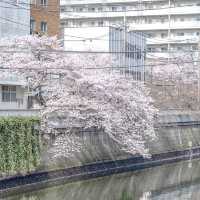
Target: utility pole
x=198 y=56
x=125 y=38
x=169 y=31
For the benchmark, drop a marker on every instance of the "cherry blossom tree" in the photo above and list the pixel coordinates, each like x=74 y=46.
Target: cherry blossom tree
x=81 y=91
x=176 y=84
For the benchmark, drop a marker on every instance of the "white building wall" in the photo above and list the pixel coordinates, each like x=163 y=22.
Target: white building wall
x=14 y=18
x=88 y=38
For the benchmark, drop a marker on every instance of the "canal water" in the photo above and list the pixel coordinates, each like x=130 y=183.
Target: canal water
x=179 y=181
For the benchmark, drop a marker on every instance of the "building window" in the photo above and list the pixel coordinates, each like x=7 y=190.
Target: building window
x=148 y=21
x=91 y=9
x=43 y=2
x=123 y=8
x=113 y=8
x=43 y=27
x=100 y=23
x=33 y=2
x=32 y=25
x=100 y=9
x=179 y=48
x=9 y=94
x=151 y=35
x=180 y=34
x=151 y=49
x=93 y=23
x=194 y=48
x=80 y=24
x=163 y=35
x=163 y=49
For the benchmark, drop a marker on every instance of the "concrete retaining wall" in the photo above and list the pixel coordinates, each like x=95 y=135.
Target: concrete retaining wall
x=175 y=131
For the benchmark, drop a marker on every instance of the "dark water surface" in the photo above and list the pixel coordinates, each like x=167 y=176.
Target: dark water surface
x=180 y=181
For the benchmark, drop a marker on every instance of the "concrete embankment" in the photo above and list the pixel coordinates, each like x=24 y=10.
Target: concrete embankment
x=175 y=130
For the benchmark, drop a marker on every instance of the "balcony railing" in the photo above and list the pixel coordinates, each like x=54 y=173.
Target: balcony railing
x=184 y=10
x=82 y=2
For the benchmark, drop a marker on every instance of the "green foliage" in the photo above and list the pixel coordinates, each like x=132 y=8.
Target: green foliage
x=125 y=196
x=19 y=144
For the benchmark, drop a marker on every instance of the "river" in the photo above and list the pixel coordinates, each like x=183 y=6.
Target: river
x=179 y=181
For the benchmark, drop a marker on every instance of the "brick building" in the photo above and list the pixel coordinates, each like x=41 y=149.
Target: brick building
x=45 y=17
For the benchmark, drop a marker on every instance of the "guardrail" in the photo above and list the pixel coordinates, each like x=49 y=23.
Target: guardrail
x=178 y=124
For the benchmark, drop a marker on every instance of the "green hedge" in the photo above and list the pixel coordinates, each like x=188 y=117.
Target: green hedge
x=19 y=144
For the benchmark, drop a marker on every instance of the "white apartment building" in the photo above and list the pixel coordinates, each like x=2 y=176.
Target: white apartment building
x=170 y=26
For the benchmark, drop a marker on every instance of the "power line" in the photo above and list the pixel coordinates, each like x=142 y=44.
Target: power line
x=110 y=67
x=150 y=65
x=12 y=21
x=79 y=38
x=109 y=52
x=57 y=11
x=136 y=32
x=98 y=52
x=30 y=4
x=17 y=7
x=29 y=9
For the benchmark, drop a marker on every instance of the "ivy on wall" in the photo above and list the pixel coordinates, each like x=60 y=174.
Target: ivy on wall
x=19 y=144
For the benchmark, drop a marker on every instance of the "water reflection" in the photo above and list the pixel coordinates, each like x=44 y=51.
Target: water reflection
x=179 y=181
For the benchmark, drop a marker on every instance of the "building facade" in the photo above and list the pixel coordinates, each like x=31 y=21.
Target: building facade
x=14 y=18
x=169 y=25
x=45 y=17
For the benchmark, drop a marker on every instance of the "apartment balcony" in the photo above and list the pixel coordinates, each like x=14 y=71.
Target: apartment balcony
x=187 y=10
x=173 y=40
x=85 y=2
x=189 y=25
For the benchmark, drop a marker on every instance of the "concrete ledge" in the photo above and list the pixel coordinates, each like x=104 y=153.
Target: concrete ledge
x=19 y=112
x=11 y=186
x=178 y=116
